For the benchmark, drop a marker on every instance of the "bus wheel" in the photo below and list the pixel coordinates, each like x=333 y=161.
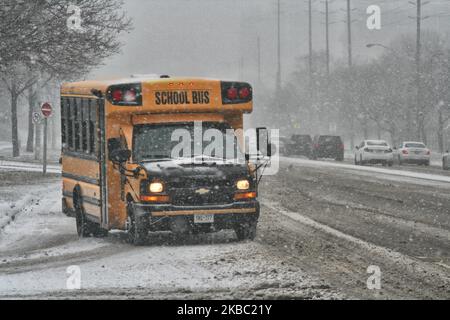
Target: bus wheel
x=246 y=231
x=83 y=226
x=136 y=227
x=98 y=231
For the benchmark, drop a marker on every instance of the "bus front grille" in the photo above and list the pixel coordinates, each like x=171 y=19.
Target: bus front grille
x=201 y=197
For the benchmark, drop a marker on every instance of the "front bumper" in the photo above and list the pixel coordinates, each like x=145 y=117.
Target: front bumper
x=415 y=158
x=161 y=216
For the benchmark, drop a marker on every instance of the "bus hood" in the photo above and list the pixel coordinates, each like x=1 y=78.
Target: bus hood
x=176 y=170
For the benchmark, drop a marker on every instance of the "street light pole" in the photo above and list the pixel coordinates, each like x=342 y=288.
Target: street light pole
x=419 y=118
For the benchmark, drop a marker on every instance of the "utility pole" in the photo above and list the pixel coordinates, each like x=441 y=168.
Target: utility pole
x=310 y=41
x=349 y=32
x=259 y=59
x=418 y=68
x=327 y=36
x=420 y=134
x=241 y=68
x=350 y=64
x=278 y=85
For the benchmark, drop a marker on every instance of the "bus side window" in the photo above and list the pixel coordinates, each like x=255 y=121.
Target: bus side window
x=84 y=126
x=93 y=134
x=78 y=120
x=70 y=110
x=63 y=122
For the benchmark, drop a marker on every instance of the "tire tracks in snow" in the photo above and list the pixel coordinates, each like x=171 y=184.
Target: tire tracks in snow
x=411 y=264
x=26 y=204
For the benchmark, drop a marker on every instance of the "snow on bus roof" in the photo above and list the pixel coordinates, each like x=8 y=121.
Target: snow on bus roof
x=85 y=87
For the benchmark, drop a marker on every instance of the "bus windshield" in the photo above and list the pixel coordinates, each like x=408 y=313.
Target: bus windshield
x=164 y=142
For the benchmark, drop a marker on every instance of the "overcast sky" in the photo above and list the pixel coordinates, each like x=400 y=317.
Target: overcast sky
x=213 y=38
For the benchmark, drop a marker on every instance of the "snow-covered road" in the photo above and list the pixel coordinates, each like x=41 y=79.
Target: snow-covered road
x=322 y=226
x=38 y=247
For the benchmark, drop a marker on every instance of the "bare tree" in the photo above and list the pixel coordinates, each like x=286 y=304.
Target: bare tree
x=52 y=45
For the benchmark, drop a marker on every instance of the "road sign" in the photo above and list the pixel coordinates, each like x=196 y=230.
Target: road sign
x=46 y=110
x=37 y=117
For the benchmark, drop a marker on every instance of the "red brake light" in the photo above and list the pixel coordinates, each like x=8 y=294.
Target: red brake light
x=428 y=152
x=405 y=152
x=232 y=93
x=117 y=95
x=125 y=94
x=236 y=92
x=244 y=93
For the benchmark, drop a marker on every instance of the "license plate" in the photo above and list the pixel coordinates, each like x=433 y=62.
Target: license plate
x=204 y=218
x=418 y=152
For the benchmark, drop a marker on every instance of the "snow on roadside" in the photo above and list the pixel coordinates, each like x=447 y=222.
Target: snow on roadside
x=5 y=145
x=390 y=174
x=35 y=215
x=8 y=210
x=26 y=166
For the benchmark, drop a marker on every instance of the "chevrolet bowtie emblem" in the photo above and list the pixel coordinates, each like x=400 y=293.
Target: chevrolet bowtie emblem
x=203 y=191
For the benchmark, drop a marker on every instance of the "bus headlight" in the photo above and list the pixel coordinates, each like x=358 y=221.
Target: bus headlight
x=156 y=187
x=243 y=185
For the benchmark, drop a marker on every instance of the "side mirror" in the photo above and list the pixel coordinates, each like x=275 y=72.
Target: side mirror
x=357 y=148
x=120 y=156
x=263 y=140
x=117 y=153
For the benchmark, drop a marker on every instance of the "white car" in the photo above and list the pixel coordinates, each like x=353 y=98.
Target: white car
x=374 y=152
x=414 y=152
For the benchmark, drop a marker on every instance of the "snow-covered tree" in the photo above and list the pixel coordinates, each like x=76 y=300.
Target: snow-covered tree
x=61 y=39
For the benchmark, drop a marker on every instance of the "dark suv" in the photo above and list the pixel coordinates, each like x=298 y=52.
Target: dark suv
x=300 y=145
x=328 y=147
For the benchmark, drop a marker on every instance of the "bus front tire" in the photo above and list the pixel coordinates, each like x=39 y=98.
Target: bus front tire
x=246 y=231
x=136 y=227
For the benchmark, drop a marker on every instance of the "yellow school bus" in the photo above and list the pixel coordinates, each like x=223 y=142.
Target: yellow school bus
x=119 y=170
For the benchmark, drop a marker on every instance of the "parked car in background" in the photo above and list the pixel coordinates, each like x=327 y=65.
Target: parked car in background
x=300 y=145
x=414 y=152
x=374 y=152
x=446 y=161
x=328 y=147
x=283 y=146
